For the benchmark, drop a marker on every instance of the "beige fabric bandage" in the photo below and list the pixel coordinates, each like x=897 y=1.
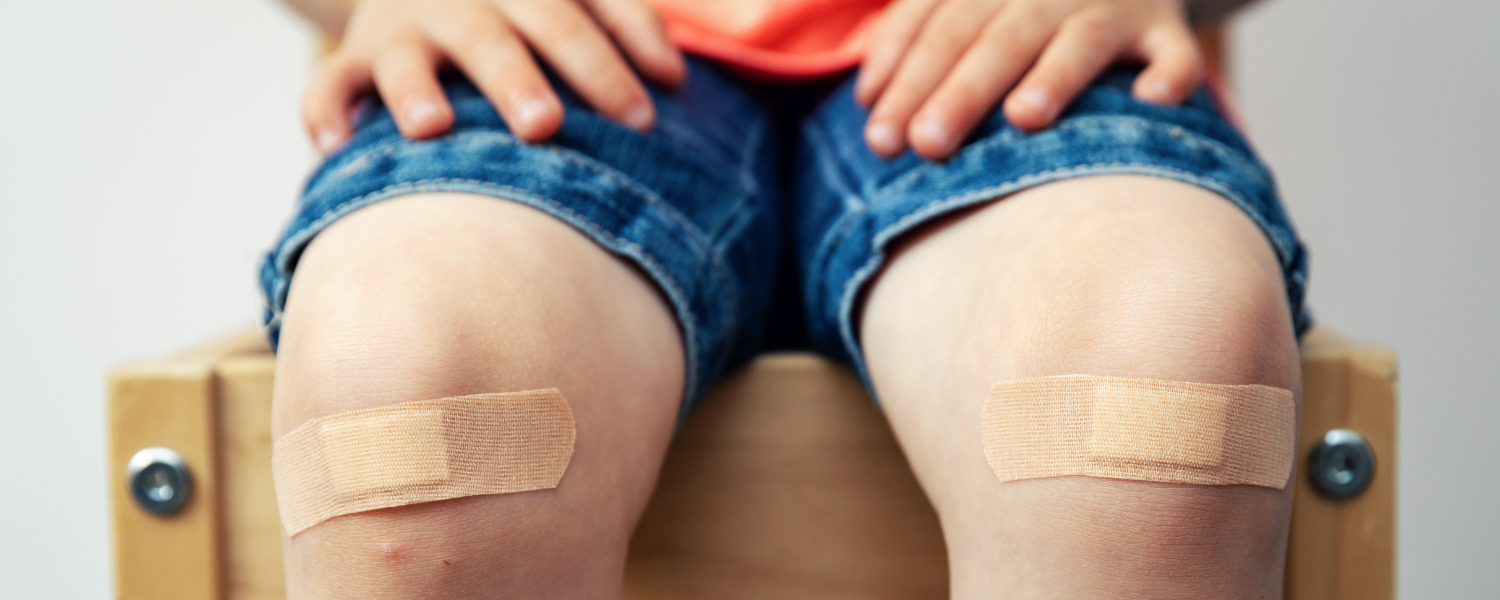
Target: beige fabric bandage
x=1143 y=429
x=420 y=452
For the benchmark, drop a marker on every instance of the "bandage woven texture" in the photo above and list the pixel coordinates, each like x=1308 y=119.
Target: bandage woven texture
x=420 y=452
x=1142 y=429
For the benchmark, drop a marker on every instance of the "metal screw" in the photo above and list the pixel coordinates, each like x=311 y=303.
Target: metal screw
x=1342 y=464
x=158 y=480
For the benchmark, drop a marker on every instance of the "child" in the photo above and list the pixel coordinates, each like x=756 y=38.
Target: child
x=548 y=194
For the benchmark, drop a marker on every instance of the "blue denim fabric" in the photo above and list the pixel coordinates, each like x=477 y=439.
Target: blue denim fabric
x=852 y=203
x=739 y=192
x=688 y=202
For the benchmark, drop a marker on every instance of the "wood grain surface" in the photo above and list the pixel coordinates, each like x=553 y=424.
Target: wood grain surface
x=785 y=483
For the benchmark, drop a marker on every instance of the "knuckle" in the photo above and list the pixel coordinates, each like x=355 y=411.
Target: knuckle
x=1030 y=18
x=1008 y=49
x=937 y=44
x=899 y=100
x=1011 y=37
x=337 y=65
x=1196 y=63
x=568 y=29
x=470 y=44
x=618 y=91
x=630 y=14
x=650 y=17
x=477 y=38
x=1091 y=25
x=963 y=95
x=312 y=113
x=409 y=40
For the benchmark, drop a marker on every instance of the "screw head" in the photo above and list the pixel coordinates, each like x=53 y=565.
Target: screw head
x=1342 y=464
x=158 y=480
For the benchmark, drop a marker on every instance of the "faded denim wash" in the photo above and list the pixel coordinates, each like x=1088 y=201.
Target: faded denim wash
x=757 y=209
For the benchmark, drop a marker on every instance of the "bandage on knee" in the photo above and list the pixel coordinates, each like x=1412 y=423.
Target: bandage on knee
x=421 y=451
x=1141 y=429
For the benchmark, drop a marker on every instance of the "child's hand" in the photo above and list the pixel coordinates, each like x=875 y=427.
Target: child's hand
x=398 y=46
x=938 y=66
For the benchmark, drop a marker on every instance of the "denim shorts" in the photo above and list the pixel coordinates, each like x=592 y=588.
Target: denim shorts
x=757 y=208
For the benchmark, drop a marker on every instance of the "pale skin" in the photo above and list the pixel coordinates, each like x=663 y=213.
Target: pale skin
x=436 y=295
x=442 y=295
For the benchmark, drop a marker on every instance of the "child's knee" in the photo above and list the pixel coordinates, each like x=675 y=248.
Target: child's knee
x=1210 y=322
x=1103 y=275
x=446 y=295
x=471 y=545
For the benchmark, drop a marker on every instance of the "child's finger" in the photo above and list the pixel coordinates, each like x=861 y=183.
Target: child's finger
x=500 y=65
x=1001 y=55
x=1083 y=46
x=405 y=77
x=898 y=27
x=1174 y=66
x=573 y=44
x=640 y=32
x=325 y=103
x=945 y=36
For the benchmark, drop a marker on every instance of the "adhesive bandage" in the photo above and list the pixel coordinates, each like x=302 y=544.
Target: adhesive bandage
x=420 y=452
x=1142 y=429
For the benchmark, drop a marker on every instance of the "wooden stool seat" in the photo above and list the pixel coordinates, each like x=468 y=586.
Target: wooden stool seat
x=785 y=483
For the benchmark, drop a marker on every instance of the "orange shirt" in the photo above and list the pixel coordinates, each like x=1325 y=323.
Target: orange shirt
x=784 y=39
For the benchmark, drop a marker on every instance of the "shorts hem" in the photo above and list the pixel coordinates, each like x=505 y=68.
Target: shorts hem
x=650 y=219
x=1249 y=191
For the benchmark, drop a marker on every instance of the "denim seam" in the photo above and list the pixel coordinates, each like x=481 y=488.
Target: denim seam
x=839 y=151
x=622 y=246
x=938 y=207
x=749 y=153
x=725 y=237
x=854 y=205
x=742 y=217
x=728 y=293
x=832 y=169
x=1009 y=136
x=709 y=250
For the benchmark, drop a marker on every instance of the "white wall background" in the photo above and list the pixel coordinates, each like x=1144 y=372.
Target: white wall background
x=1381 y=119
x=150 y=149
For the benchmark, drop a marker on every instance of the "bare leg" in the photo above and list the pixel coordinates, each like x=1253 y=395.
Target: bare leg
x=441 y=295
x=1112 y=275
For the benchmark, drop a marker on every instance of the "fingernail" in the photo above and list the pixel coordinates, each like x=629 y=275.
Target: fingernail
x=529 y=111
x=420 y=111
x=327 y=140
x=1156 y=90
x=638 y=118
x=883 y=138
x=1035 y=99
x=933 y=131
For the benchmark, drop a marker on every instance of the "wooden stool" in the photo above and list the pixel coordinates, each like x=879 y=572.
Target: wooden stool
x=784 y=484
